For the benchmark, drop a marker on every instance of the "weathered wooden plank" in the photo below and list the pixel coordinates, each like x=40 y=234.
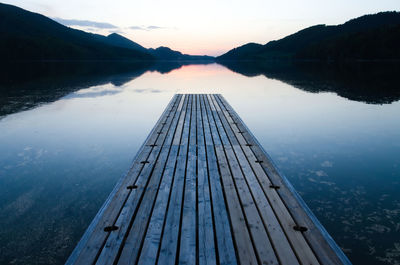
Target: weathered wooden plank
x=188 y=234
x=264 y=250
x=91 y=243
x=319 y=240
x=147 y=186
x=167 y=118
x=133 y=244
x=152 y=241
x=138 y=223
x=203 y=191
x=241 y=235
x=285 y=253
x=116 y=237
x=170 y=238
x=205 y=224
x=223 y=232
x=178 y=134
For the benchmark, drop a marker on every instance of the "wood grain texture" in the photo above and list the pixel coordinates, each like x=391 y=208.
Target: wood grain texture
x=201 y=190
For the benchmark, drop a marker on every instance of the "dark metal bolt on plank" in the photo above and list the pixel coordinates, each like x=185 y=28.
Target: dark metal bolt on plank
x=300 y=228
x=205 y=198
x=110 y=228
x=274 y=186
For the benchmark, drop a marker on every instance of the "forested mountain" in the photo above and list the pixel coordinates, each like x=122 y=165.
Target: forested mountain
x=370 y=37
x=30 y=36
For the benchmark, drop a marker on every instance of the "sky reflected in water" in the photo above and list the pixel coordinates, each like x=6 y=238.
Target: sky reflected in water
x=60 y=160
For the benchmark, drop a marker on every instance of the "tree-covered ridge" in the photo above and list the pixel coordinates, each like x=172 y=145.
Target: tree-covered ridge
x=370 y=37
x=30 y=36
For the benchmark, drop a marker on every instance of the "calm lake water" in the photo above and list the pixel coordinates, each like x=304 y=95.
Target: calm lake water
x=67 y=134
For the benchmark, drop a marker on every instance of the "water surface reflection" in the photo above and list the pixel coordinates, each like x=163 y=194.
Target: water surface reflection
x=67 y=135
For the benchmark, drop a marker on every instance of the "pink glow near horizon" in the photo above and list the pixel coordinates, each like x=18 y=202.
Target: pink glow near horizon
x=207 y=27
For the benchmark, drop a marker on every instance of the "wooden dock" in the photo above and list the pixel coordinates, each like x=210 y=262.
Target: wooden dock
x=202 y=190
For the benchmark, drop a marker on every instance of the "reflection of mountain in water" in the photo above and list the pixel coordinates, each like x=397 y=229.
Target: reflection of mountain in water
x=26 y=85
x=373 y=83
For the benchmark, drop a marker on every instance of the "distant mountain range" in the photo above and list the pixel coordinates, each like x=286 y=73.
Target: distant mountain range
x=370 y=37
x=26 y=35
x=30 y=36
x=160 y=53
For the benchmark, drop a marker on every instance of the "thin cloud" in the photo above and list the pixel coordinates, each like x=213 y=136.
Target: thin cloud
x=148 y=90
x=85 y=23
x=146 y=28
x=136 y=28
x=154 y=27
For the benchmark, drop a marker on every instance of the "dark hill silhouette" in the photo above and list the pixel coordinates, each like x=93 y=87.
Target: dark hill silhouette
x=120 y=41
x=370 y=37
x=160 y=53
x=165 y=53
x=30 y=36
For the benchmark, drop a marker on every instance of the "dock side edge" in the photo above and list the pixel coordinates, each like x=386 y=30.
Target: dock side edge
x=338 y=251
x=82 y=242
